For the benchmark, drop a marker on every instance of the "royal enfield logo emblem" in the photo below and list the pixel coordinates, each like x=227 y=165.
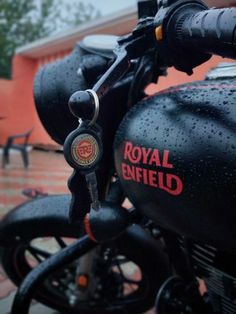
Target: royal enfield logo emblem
x=85 y=150
x=150 y=166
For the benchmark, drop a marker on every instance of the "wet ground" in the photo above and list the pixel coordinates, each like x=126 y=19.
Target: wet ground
x=47 y=173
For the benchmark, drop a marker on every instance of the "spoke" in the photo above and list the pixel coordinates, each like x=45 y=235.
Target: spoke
x=38 y=259
x=124 y=278
x=61 y=243
x=130 y=281
x=36 y=252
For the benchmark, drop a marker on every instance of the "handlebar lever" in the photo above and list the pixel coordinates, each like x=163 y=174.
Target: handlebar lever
x=136 y=44
x=129 y=47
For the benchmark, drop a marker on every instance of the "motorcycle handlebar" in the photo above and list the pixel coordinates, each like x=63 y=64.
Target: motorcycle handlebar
x=188 y=33
x=209 y=31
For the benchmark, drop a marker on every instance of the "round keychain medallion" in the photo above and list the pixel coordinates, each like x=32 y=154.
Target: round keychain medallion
x=85 y=150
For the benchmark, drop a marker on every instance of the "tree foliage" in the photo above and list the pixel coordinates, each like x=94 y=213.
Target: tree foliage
x=24 y=21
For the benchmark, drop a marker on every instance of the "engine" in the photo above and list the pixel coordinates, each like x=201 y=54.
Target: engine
x=218 y=270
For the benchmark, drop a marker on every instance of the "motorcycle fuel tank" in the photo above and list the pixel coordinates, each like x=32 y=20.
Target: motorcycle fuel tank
x=175 y=154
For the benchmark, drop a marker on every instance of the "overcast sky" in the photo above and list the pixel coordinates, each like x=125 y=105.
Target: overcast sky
x=109 y=6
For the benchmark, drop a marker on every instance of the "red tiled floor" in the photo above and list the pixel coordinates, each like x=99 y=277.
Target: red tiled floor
x=47 y=171
x=6 y=286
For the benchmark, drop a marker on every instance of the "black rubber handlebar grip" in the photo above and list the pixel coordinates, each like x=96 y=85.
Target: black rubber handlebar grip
x=210 y=31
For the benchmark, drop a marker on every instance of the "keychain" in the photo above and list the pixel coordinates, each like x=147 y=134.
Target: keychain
x=83 y=152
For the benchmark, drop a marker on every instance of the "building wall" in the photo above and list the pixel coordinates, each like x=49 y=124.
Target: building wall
x=16 y=96
x=17 y=107
x=175 y=77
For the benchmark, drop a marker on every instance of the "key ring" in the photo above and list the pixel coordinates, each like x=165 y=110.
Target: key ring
x=97 y=106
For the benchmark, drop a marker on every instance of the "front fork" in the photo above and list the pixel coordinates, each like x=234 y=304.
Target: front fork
x=86 y=279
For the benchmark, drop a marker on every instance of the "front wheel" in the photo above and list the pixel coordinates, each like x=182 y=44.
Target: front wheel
x=125 y=278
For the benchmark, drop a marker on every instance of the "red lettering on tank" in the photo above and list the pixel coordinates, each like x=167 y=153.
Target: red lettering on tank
x=124 y=173
x=128 y=150
x=145 y=176
x=139 y=172
x=173 y=185
x=128 y=173
x=152 y=178
x=146 y=154
x=155 y=158
x=134 y=154
x=166 y=163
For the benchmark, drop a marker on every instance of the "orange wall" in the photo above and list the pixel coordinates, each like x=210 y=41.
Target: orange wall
x=175 y=77
x=16 y=103
x=16 y=100
x=16 y=97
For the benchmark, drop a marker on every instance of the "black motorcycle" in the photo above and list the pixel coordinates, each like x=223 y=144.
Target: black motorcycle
x=174 y=158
